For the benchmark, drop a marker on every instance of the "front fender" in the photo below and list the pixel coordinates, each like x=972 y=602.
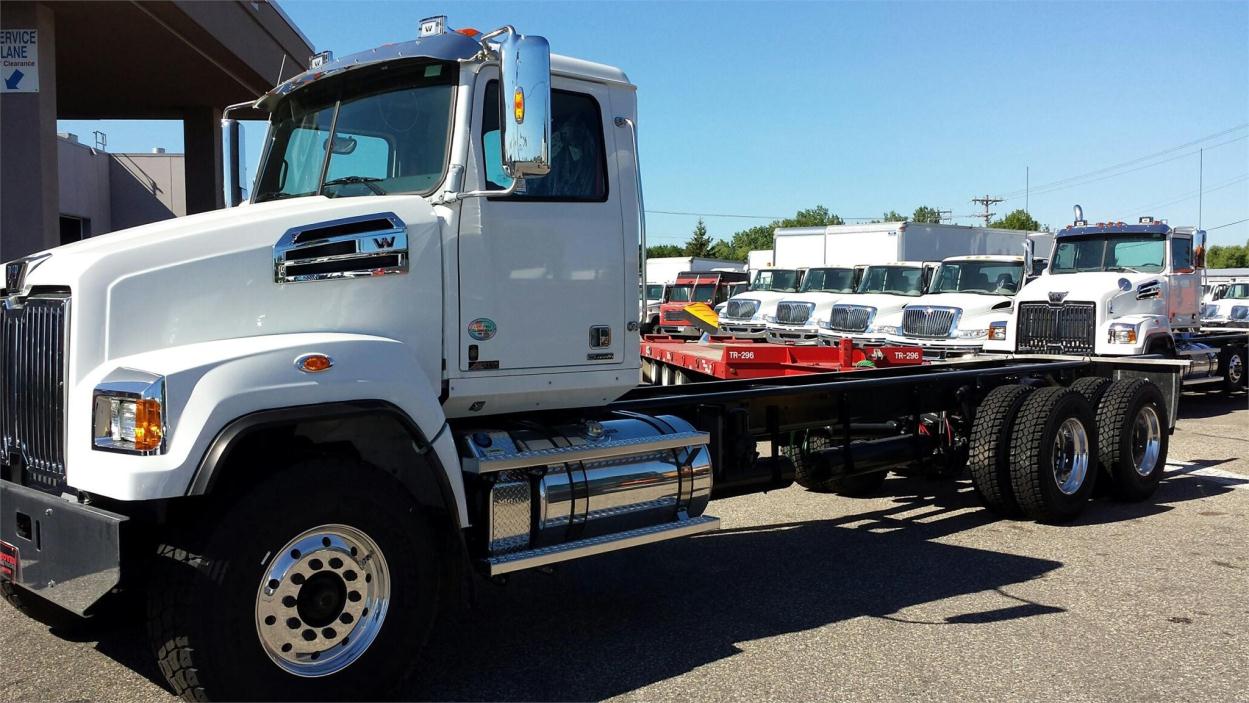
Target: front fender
x=209 y=385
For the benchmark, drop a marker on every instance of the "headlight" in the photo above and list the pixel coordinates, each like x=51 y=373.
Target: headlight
x=1209 y=310
x=1122 y=333
x=997 y=330
x=769 y=318
x=824 y=324
x=973 y=334
x=128 y=413
x=888 y=329
x=1239 y=312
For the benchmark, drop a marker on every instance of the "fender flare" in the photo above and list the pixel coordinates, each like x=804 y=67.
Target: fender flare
x=231 y=435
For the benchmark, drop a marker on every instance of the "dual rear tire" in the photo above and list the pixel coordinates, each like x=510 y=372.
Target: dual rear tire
x=1038 y=453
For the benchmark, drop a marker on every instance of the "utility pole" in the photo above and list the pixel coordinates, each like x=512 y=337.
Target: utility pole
x=1201 y=179
x=986 y=201
x=943 y=216
x=1027 y=187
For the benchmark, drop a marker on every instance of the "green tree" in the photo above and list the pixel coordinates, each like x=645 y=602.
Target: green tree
x=926 y=215
x=662 y=250
x=1228 y=256
x=1018 y=219
x=699 y=243
x=894 y=216
x=722 y=250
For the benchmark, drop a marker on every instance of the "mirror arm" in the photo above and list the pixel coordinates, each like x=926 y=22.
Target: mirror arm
x=452 y=195
x=486 y=52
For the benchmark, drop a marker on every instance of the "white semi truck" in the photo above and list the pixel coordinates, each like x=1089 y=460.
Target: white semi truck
x=301 y=427
x=1117 y=289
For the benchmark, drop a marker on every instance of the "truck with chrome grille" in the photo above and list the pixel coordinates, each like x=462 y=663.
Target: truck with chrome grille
x=303 y=426
x=1116 y=289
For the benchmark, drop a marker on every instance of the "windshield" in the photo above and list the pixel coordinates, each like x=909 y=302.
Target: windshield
x=894 y=280
x=829 y=281
x=688 y=293
x=777 y=280
x=985 y=277
x=390 y=136
x=654 y=291
x=1142 y=253
x=1238 y=291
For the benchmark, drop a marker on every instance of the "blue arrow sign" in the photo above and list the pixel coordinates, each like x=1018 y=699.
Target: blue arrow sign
x=13 y=79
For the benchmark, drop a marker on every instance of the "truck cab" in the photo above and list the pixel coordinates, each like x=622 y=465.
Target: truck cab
x=745 y=314
x=1113 y=289
x=653 y=295
x=881 y=294
x=1229 y=309
x=966 y=309
x=711 y=288
x=796 y=318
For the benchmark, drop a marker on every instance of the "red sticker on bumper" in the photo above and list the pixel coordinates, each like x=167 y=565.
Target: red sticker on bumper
x=9 y=561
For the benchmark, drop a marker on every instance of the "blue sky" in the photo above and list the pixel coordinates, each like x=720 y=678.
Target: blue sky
x=764 y=108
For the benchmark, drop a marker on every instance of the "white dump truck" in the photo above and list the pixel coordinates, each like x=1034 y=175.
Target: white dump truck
x=302 y=427
x=1117 y=289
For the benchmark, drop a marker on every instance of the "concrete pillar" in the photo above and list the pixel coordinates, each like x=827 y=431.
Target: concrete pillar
x=29 y=193
x=201 y=138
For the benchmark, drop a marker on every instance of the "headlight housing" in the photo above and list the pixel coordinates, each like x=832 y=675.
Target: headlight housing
x=1122 y=333
x=1239 y=312
x=997 y=331
x=128 y=413
x=973 y=334
x=769 y=318
x=887 y=329
x=824 y=324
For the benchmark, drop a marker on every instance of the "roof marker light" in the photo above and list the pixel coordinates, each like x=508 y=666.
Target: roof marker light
x=319 y=60
x=433 y=26
x=1145 y=221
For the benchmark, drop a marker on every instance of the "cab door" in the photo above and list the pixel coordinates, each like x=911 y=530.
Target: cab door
x=1184 y=287
x=541 y=272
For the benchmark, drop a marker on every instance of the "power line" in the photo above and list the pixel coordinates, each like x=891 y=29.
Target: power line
x=1130 y=162
x=748 y=217
x=1190 y=195
x=1229 y=224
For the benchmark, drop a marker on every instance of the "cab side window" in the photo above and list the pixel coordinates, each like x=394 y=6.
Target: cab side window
x=578 y=156
x=1181 y=254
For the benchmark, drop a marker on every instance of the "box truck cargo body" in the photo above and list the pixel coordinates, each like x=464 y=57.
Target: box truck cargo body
x=664 y=269
x=886 y=242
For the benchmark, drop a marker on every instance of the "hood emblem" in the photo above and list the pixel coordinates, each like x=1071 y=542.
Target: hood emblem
x=13 y=275
x=1057 y=296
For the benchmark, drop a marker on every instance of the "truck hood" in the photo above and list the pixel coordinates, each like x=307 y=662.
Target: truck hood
x=767 y=300
x=972 y=304
x=1094 y=286
x=881 y=301
x=210 y=277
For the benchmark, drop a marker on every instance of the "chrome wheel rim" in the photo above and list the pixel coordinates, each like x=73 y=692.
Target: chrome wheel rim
x=1071 y=456
x=1146 y=440
x=1235 y=369
x=322 y=600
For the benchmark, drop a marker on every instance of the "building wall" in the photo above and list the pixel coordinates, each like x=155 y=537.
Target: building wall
x=82 y=173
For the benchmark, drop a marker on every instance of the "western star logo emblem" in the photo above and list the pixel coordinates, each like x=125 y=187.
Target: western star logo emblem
x=1058 y=296
x=13 y=276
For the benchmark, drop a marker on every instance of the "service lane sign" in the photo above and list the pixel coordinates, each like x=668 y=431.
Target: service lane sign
x=19 y=60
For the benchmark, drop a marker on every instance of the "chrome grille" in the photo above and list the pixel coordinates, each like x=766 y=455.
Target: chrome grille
x=794 y=313
x=928 y=322
x=741 y=309
x=1056 y=328
x=33 y=355
x=850 y=318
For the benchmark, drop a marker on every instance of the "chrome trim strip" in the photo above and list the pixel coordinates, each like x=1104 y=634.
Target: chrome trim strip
x=586 y=452
x=600 y=545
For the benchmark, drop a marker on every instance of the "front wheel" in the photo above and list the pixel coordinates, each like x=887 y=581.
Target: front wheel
x=320 y=583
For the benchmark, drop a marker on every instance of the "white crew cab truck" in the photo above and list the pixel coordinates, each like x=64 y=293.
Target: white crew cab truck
x=745 y=314
x=966 y=309
x=881 y=294
x=1230 y=308
x=1118 y=289
x=794 y=319
x=301 y=426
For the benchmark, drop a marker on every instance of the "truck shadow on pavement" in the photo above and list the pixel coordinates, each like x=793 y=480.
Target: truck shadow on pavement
x=612 y=624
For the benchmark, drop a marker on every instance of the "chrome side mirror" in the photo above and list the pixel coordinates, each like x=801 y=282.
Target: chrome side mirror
x=232 y=161
x=526 y=96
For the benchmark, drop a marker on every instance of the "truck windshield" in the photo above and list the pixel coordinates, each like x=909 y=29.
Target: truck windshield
x=893 y=280
x=776 y=280
x=984 y=277
x=829 y=281
x=1237 y=291
x=1140 y=253
x=690 y=293
x=654 y=291
x=390 y=135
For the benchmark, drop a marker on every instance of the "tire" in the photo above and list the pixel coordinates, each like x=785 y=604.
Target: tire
x=1234 y=370
x=988 y=459
x=1092 y=388
x=1047 y=487
x=215 y=624
x=1133 y=448
x=807 y=475
x=40 y=609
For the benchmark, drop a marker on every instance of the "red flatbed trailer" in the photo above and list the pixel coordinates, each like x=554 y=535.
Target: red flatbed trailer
x=730 y=358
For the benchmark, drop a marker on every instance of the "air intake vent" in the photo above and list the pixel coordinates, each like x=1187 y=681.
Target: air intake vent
x=371 y=245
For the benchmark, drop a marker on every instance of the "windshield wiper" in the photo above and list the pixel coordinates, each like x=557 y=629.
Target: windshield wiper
x=277 y=195
x=370 y=183
x=1129 y=269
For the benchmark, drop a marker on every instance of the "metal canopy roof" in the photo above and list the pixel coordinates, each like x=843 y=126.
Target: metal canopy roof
x=150 y=60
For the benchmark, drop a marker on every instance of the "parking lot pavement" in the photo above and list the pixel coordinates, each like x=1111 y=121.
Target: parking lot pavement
x=913 y=594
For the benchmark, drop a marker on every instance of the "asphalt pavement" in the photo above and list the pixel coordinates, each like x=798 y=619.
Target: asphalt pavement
x=915 y=594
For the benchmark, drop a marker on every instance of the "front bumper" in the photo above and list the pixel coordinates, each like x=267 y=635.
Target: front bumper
x=745 y=330
x=67 y=553
x=941 y=348
x=832 y=338
x=783 y=334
